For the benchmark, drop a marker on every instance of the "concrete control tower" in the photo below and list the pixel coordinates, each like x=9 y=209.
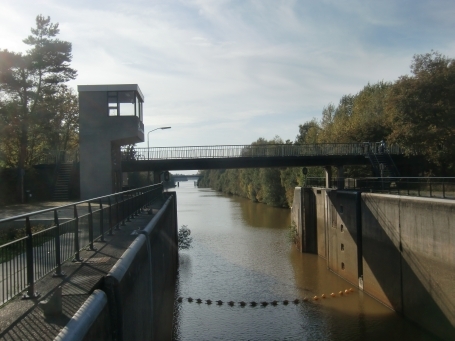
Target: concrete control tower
x=110 y=116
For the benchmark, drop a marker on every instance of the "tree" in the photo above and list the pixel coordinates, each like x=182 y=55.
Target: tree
x=28 y=81
x=421 y=110
x=308 y=132
x=367 y=121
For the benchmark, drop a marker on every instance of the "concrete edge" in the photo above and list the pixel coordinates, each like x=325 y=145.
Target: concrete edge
x=77 y=328
x=125 y=261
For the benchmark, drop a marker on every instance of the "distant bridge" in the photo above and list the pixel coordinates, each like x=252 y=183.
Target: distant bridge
x=258 y=156
x=184 y=177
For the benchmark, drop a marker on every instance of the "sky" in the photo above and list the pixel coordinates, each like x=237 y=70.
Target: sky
x=232 y=71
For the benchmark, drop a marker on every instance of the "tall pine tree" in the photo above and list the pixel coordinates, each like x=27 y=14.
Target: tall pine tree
x=28 y=80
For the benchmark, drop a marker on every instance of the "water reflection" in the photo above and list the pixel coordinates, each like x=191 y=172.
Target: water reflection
x=241 y=253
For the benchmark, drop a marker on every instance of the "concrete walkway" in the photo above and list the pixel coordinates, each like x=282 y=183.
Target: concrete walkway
x=18 y=209
x=24 y=319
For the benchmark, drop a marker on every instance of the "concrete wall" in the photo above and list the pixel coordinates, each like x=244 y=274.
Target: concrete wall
x=140 y=287
x=136 y=298
x=381 y=248
x=321 y=218
x=303 y=217
x=343 y=234
x=409 y=258
x=400 y=250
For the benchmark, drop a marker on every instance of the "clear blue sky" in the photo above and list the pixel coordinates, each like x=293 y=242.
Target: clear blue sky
x=229 y=72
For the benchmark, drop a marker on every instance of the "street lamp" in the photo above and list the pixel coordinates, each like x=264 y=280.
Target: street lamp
x=148 y=145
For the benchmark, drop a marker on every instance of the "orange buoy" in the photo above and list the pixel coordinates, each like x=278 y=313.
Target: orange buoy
x=346 y=291
x=340 y=292
x=315 y=298
x=323 y=295
x=332 y=294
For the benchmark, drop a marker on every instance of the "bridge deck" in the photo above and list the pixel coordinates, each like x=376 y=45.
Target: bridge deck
x=248 y=156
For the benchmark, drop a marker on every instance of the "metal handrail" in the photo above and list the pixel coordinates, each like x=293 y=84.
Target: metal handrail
x=58 y=156
x=27 y=259
x=265 y=150
x=433 y=187
x=78 y=203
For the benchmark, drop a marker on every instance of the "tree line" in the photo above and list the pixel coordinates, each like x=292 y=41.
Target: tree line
x=416 y=112
x=38 y=112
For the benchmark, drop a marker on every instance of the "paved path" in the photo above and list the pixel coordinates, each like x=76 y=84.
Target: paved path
x=18 y=209
x=24 y=320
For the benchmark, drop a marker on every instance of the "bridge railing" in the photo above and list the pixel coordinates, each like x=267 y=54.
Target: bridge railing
x=58 y=156
x=267 y=150
x=37 y=243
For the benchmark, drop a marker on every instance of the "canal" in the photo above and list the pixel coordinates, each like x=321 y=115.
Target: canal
x=241 y=252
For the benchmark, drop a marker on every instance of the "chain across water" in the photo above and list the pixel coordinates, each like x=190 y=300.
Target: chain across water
x=264 y=303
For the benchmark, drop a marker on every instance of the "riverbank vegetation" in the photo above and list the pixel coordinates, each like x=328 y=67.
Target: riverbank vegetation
x=417 y=112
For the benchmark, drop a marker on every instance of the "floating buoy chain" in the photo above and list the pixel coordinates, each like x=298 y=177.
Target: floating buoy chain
x=263 y=303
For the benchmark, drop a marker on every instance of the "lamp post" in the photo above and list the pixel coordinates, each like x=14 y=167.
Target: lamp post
x=148 y=145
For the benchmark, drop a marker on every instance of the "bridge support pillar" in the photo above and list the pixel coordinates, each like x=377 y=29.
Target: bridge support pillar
x=340 y=177
x=156 y=177
x=328 y=176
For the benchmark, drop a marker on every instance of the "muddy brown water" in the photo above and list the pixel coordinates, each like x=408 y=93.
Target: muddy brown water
x=241 y=252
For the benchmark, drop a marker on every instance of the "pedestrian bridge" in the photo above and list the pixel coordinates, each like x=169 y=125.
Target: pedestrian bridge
x=255 y=156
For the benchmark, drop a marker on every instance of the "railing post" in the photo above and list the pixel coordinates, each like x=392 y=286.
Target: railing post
x=101 y=222
x=90 y=227
x=431 y=194
x=30 y=266
x=135 y=204
x=76 y=237
x=133 y=207
x=150 y=195
x=128 y=210
x=117 y=212
x=443 y=189
x=123 y=211
x=58 y=271
x=141 y=201
x=110 y=215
